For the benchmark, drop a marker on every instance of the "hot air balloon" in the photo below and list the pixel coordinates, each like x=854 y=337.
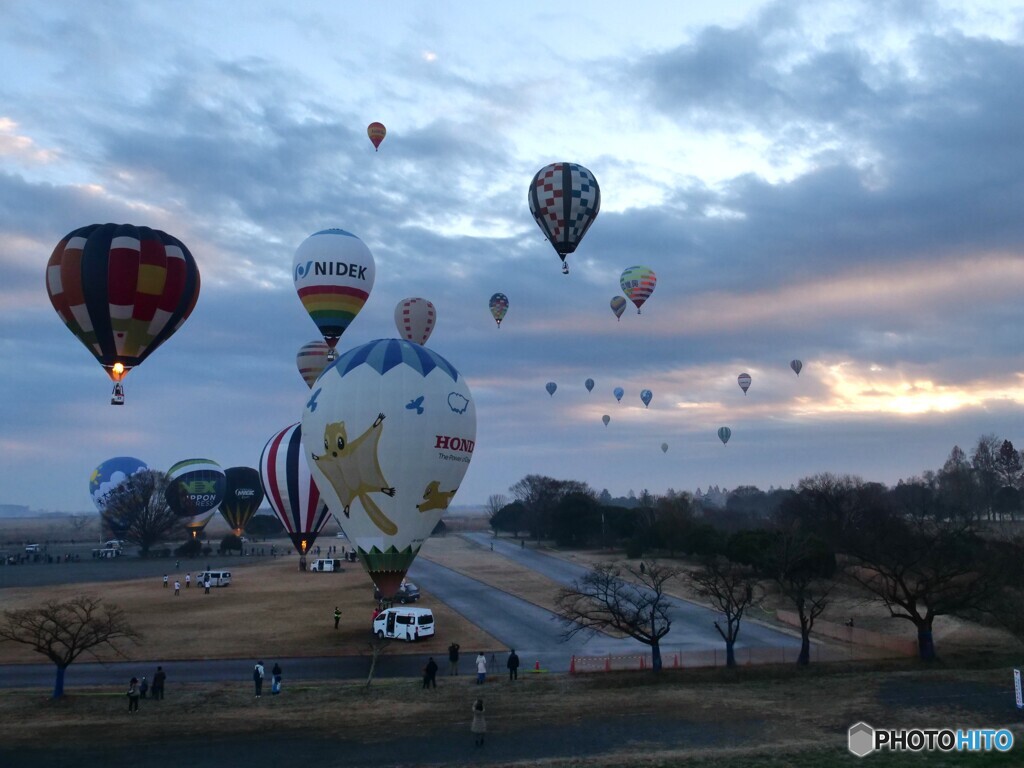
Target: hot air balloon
x=243 y=495
x=415 y=319
x=123 y=291
x=389 y=472
x=797 y=366
x=724 y=433
x=376 y=132
x=606 y=418
x=564 y=199
x=638 y=284
x=334 y=273
x=290 y=488
x=551 y=387
x=110 y=474
x=646 y=395
x=499 y=306
x=618 y=306
x=311 y=360
x=744 y=381
x=194 y=491
x=618 y=392
x=664 y=447
x=589 y=384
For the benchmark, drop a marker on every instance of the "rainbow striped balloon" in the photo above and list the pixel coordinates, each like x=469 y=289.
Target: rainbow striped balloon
x=334 y=273
x=638 y=284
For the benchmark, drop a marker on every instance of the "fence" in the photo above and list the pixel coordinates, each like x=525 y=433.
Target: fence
x=895 y=646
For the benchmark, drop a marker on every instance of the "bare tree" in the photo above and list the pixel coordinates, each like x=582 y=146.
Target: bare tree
x=62 y=630
x=495 y=503
x=604 y=599
x=730 y=588
x=377 y=648
x=137 y=509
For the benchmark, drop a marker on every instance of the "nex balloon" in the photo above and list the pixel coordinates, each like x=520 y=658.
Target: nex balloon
x=551 y=387
x=618 y=306
x=744 y=381
x=123 y=291
x=606 y=418
x=646 y=395
x=564 y=199
x=724 y=433
x=638 y=284
x=110 y=474
x=291 y=491
x=415 y=319
x=242 y=497
x=311 y=360
x=376 y=132
x=618 y=392
x=797 y=366
x=334 y=273
x=499 y=306
x=388 y=470
x=195 y=489
x=589 y=384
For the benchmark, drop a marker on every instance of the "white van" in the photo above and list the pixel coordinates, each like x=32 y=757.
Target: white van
x=326 y=565
x=403 y=623
x=217 y=578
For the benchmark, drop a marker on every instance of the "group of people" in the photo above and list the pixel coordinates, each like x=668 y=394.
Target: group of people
x=430 y=670
x=188 y=583
x=258 y=674
x=138 y=689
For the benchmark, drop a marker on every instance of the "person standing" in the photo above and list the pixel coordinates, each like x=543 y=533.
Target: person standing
x=158 y=683
x=188 y=580
x=453 y=659
x=275 y=686
x=479 y=725
x=143 y=687
x=206 y=586
x=133 y=695
x=513 y=665
x=430 y=673
x=165 y=581
x=481 y=668
x=257 y=678
x=337 y=616
x=177 y=588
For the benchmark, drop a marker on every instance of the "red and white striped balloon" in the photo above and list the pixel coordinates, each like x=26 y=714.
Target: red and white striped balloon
x=290 y=488
x=311 y=360
x=415 y=319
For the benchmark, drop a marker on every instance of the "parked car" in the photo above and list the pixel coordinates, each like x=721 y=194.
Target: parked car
x=409 y=624
x=218 y=578
x=407 y=593
x=326 y=565
x=31 y=549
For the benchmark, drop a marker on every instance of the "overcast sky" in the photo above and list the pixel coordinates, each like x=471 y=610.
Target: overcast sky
x=841 y=183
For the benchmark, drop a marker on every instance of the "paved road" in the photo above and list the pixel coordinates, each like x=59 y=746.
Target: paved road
x=692 y=625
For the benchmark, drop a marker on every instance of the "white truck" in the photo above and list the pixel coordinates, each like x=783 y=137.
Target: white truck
x=109 y=549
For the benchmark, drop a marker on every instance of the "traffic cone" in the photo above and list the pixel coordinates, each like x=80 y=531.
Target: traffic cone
x=572 y=665
x=608 y=663
x=536 y=665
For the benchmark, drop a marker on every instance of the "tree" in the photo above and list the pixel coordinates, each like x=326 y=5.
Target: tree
x=495 y=503
x=1008 y=465
x=137 y=509
x=605 y=599
x=62 y=630
x=730 y=588
x=539 y=496
x=921 y=569
x=983 y=461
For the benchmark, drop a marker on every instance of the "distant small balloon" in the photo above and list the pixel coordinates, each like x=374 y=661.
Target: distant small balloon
x=589 y=384
x=664 y=447
x=499 y=306
x=724 y=433
x=646 y=395
x=311 y=360
x=618 y=392
x=638 y=284
x=744 y=382
x=606 y=418
x=797 y=366
x=376 y=132
x=551 y=387
x=618 y=306
x=415 y=319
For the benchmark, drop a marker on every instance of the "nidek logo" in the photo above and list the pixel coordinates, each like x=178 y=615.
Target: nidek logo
x=863 y=739
x=330 y=268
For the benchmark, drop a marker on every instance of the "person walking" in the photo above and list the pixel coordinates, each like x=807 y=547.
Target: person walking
x=430 y=673
x=453 y=659
x=275 y=685
x=257 y=678
x=133 y=695
x=158 y=683
x=177 y=588
x=337 y=616
x=481 y=668
x=513 y=665
x=479 y=725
